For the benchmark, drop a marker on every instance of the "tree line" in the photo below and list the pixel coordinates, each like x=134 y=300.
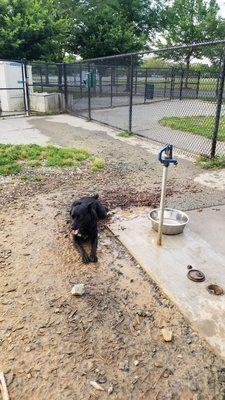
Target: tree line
x=57 y=30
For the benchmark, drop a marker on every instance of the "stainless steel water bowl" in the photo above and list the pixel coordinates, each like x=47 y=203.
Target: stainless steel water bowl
x=174 y=221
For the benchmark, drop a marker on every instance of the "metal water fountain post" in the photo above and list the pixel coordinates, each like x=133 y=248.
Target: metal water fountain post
x=165 y=156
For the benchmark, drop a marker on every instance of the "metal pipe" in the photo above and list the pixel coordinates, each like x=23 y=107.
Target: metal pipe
x=162 y=204
x=218 y=109
x=131 y=93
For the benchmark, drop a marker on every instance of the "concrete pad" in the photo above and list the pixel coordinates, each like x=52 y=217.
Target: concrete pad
x=202 y=244
x=19 y=131
x=212 y=179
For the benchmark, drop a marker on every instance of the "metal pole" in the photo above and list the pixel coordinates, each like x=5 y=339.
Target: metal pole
x=198 y=84
x=81 y=80
x=136 y=77
x=89 y=95
x=162 y=203
x=146 y=81
x=41 y=79
x=218 y=109
x=181 y=83
x=26 y=88
x=171 y=83
x=165 y=83
x=111 y=89
x=131 y=93
x=65 y=85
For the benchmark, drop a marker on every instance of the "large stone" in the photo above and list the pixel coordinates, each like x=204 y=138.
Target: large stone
x=78 y=290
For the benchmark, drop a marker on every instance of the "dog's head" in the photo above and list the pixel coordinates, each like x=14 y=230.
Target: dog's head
x=82 y=216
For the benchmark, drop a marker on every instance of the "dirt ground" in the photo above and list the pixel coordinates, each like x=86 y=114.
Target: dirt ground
x=53 y=344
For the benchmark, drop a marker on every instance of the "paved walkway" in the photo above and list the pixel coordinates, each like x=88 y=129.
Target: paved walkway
x=146 y=122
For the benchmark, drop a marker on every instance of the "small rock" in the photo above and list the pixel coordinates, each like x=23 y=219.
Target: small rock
x=193 y=386
x=126 y=366
x=167 y=372
x=197 y=396
x=136 y=362
x=101 y=379
x=110 y=390
x=29 y=348
x=96 y=386
x=167 y=335
x=158 y=364
x=78 y=290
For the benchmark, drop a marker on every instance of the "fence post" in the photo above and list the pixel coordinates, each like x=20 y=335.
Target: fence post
x=60 y=75
x=165 y=84
x=181 y=84
x=146 y=81
x=136 y=78
x=46 y=73
x=81 y=78
x=172 y=84
x=131 y=92
x=218 y=108
x=65 y=85
x=198 y=84
x=111 y=88
x=89 y=95
x=26 y=87
x=42 y=89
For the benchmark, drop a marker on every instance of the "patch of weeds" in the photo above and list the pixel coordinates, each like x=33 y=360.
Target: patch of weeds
x=10 y=169
x=14 y=157
x=125 y=134
x=97 y=164
x=27 y=177
x=209 y=163
x=34 y=163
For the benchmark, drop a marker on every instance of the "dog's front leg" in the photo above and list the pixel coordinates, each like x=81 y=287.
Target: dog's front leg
x=78 y=243
x=94 y=244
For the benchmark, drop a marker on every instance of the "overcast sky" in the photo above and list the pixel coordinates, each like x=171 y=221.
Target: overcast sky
x=222 y=7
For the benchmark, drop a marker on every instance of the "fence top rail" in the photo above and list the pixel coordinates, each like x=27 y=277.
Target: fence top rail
x=163 y=49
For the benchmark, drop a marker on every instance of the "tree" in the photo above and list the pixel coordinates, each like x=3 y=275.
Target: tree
x=102 y=28
x=32 y=29
x=191 y=21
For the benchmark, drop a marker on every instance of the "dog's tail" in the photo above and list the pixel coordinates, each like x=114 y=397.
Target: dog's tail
x=96 y=196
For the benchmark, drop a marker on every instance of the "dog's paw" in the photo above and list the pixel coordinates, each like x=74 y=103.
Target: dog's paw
x=86 y=259
x=93 y=258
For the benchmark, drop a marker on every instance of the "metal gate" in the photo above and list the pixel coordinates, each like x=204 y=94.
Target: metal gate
x=14 y=90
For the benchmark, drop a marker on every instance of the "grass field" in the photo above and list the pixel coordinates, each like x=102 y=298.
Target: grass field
x=198 y=124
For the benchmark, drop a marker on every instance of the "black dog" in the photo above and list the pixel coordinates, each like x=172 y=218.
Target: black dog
x=84 y=216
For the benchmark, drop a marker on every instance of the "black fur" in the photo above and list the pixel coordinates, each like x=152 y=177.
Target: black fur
x=84 y=216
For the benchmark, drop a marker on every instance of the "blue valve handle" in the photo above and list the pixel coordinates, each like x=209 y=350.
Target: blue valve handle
x=168 y=159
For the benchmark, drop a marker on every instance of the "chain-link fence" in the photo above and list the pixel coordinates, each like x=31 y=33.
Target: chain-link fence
x=181 y=102
x=171 y=95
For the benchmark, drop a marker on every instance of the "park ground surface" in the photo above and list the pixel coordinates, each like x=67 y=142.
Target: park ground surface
x=53 y=344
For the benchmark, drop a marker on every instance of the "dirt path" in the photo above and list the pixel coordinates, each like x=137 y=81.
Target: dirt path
x=52 y=345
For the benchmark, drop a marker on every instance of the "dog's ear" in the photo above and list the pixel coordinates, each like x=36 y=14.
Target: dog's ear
x=92 y=211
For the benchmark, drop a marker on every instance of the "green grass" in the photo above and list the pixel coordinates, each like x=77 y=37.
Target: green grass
x=124 y=134
x=97 y=164
x=14 y=157
x=30 y=177
x=209 y=163
x=199 y=124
